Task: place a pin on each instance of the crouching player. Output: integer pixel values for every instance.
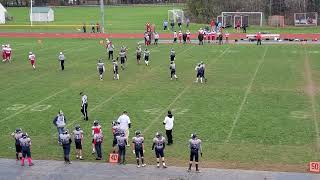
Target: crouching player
(25, 143)
(78, 140)
(138, 148)
(17, 135)
(6, 53)
(158, 145)
(195, 147)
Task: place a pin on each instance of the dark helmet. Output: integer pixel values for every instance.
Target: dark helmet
(77, 127)
(24, 135)
(193, 135)
(95, 123)
(65, 131)
(122, 134)
(158, 134)
(18, 130)
(138, 133)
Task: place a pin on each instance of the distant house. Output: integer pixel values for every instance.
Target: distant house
(3, 13)
(42, 14)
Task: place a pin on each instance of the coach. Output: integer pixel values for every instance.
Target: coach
(168, 122)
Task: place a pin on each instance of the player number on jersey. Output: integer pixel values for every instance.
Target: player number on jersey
(17, 107)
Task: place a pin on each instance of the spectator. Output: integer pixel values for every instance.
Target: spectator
(172, 24)
(187, 22)
(93, 28)
(84, 28)
(98, 27)
(165, 25)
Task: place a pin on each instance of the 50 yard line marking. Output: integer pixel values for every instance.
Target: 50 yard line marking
(246, 96)
(311, 84)
(180, 94)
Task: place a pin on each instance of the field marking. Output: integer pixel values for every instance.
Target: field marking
(43, 74)
(311, 92)
(181, 93)
(300, 114)
(235, 120)
(32, 105)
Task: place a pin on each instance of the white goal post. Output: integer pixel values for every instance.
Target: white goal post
(176, 15)
(245, 18)
(306, 19)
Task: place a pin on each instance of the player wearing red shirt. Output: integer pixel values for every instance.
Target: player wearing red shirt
(32, 59)
(7, 52)
(148, 27)
(212, 24)
(180, 36)
(259, 38)
(96, 129)
(188, 36)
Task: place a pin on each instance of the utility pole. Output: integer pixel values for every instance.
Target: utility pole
(102, 15)
(270, 8)
(31, 12)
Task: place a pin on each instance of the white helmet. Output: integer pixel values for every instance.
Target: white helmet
(8, 45)
(60, 52)
(30, 52)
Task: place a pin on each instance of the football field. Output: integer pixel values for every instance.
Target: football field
(258, 110)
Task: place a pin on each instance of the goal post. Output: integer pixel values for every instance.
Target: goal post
(244, 18)
(306, 19)
(176, 15)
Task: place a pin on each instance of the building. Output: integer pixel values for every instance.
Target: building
(42, 14)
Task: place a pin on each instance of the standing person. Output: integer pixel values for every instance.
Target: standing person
(98, 27)
(188, 36)
(61, 58)
(156, 38)
(188, 22)
(172, 55)
(78, 140)
(115, 70)
(138, 148)
(180, 36)
(84, 28)
(238, 26)
(84, 106)
(259, 38)
(159, 143)
(96, 129)
(138, 53)
(195, 147)
(123, 58)
(220, 38)
(172, 24)
(201, 36)
(227, 37)
(116, 131)
(244, 28)
(172, 68)
(101, 69)
(25, 143)
(66, 143)
(60, 122)
(6, 51)
(175, 36)
(97, 141)
(212, 25)
(146, 56)
(179, 22)
(32, 59)
(122, 143)
(148, 27)
(110, 48)
(184, 37)
(125, 123)
(165, 24)
(92, 28)
(168, 122)
(17, 134)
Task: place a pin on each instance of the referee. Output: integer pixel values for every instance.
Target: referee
(61, 59)
(84, 106)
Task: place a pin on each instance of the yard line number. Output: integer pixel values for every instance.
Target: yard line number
(16, 107)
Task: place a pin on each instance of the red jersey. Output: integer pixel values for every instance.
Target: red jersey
(212, 23)
(32, 57)
(258, 36)
(96, 129)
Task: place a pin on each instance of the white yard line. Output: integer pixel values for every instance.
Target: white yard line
(311, 84)
(34, 104)
(246, 96)
(180, 94)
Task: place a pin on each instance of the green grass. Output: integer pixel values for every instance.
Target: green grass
(266, 133)
(119, 19)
